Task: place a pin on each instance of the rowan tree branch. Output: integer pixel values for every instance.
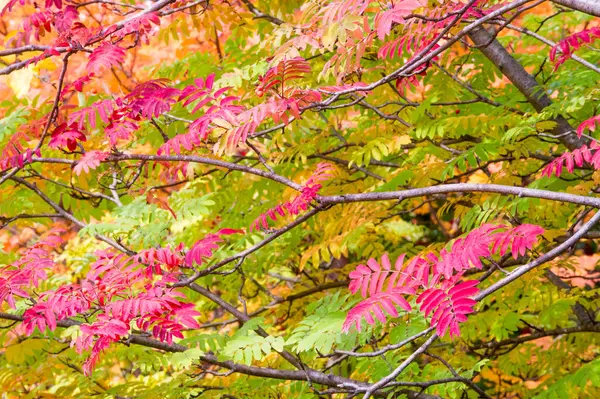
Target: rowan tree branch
(290, 298)
(183, 158)
(243, 318)
(550, 43)
(388, 347)
(259, 14)
(461, 188)
(95, 39)
(548, 256)
(523, 81)
(399, 195)
(591, 7)
(515, 274)
(460, 378)
(392, 376)
(61, 211)
(316, 377)
(537, 335)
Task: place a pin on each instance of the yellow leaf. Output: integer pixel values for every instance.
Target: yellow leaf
(596, 177)
(403, 140)
(47, 64)
(18, 353)
(331, 36)
(545, 126)
(551, 234)
(479, 177)
(20, 81)
(352, 22)
(315, 259)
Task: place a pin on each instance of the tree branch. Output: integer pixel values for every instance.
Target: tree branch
(591, 7)
(515, 274)
(538, 335)
(250, 250)
(461, 188)
(259, 14)
(526, 83)
(60, 210)
(548, 256)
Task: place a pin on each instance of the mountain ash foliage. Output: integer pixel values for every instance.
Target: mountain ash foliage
(299, 199)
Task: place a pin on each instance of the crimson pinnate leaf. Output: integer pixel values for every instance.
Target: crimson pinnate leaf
(107, 55)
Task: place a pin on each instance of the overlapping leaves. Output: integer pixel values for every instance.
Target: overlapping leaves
(434, 279)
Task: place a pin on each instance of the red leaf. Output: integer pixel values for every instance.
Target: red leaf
(400, 9)
(57, 3)
(281, 74)
(589, 124)
(572, 43)
(152, 98)
(442, 296)
(29, 269)
(141, 26)
(102, 108)
(386, 300)
(106, 55)
(205, 247)
(66, 136)
(519, 239)
(120, 131)
(299, 203)
(89, 161)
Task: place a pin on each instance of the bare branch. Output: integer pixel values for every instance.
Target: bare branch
(591, 7)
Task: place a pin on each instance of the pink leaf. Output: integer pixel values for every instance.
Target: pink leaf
(436, 277)
(89, 161)
(66, 136)
(400, 9)
(589, 124)
(301, 202)
(121, 130)
(282, 73)
(572, 43)
(205, 247)
(386, 300)
(107, 55)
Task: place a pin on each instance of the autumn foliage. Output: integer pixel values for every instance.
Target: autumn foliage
(299, 199)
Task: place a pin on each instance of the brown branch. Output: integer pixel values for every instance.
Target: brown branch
(277, 301)
(60, 210)
(526, 83)
(464, 380)
(579, 310)
(548, 256)
(347, 164)
(95, 39)
(538, 335)
(250, 250)
(550, 43)
(515, 274)
(24, 49)
(259, 14)
(4, 220)
(388, 347)
(392, 376)
(314, 376)
(243, 318)
(184, 158)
